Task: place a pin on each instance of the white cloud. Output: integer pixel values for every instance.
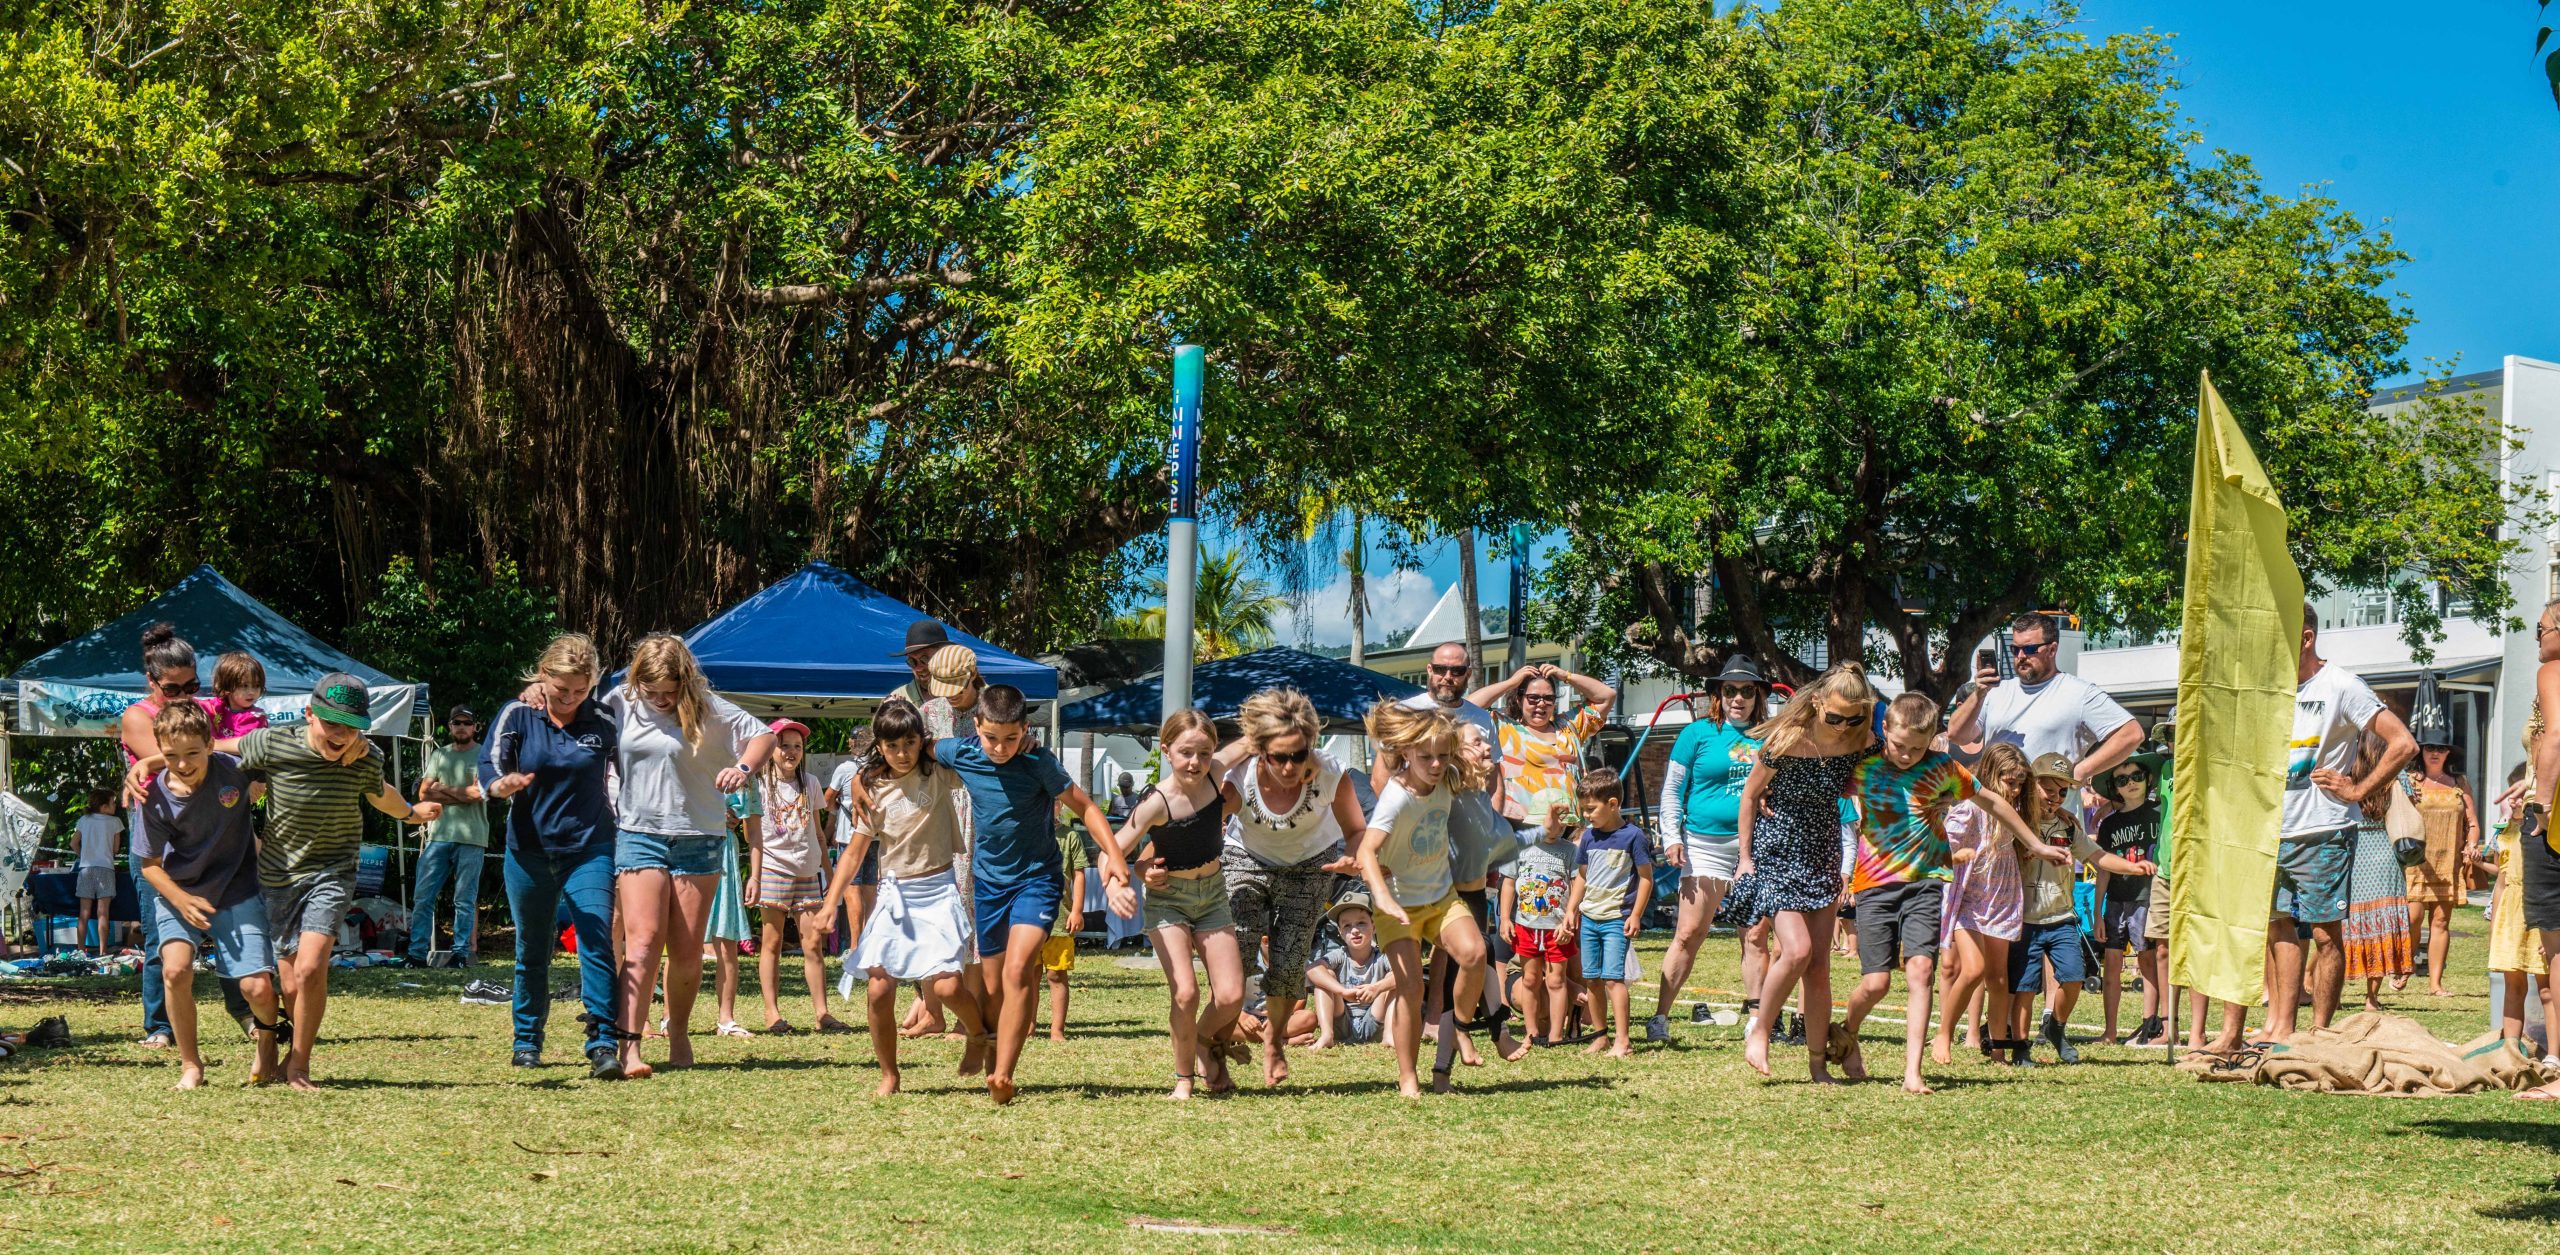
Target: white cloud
(1397, 602)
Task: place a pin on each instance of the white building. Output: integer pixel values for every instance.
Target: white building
(2487, 675)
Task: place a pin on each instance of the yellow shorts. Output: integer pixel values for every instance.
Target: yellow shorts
(1058, 954)
(1425, 927)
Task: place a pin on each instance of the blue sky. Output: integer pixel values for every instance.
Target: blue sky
(2430, 121)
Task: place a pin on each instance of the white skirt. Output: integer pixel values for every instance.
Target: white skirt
(917, 928)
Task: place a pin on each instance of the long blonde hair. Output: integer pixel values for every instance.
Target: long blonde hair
(568, 654)
(1473, 778)
(663, 659)
(1396, 728)
(1782, 732)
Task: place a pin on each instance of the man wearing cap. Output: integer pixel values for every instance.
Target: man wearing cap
(319, 776)
(457, 841)
(2042, 711)
(925, 637)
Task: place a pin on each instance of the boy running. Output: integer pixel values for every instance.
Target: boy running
(319, 778)
(1015, 789)
(199, 850)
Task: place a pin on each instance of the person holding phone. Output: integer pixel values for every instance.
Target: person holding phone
(2042, 711)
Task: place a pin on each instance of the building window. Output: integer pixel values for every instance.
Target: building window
(2371, 608)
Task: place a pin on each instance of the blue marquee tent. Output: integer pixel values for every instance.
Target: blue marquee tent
(820, 643)
(1342, 693)
(80, 687)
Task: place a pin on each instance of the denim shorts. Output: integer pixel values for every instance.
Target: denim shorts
(236, 936)
(2311, 876)
(1604, 949)
(2058, 941)
(1002, 907)
(656, 851)
(316, 903)
(869, 872)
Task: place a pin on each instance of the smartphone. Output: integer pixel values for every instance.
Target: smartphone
(1985, 659)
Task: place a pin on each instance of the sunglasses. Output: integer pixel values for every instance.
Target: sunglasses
(2030, 651)
(1548, 698)
(2121, 781)
(181, 689)
(1738, 690)
(1437, 669)
(1842, 721)
(1289, 759)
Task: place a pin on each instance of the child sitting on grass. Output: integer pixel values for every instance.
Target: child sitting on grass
(199, 850)
(1612, 884)
(1355, 986)
(919, 928)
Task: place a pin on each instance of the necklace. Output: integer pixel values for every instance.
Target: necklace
(1260, 815)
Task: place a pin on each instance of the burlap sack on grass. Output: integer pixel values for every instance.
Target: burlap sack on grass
(2374, 1053)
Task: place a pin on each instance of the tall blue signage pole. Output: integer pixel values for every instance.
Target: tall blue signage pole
(1182, 534)
(1519, 616)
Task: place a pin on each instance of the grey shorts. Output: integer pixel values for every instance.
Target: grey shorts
(1357, 1026)
(1898, 923)
(1199, 904)
(96, 883)
(316, 903)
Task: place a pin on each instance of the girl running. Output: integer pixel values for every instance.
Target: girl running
(1986, 899)
(1185, 820)
(918, 927)
(1404, 857)
(1790, 834)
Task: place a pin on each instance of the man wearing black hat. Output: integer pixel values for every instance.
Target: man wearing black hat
(457, 841)
(924, 636)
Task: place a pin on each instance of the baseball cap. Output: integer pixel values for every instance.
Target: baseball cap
(2054, 764)
(342, 699)
(462, 714)
(1355, 898)
(952, 667)
(780, 726)
(925, 634)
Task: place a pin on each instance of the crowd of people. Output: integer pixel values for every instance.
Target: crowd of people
(1494, 886)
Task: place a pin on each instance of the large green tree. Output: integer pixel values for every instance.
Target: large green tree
(1961, 378)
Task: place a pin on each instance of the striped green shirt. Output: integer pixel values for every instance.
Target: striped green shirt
(315, 807)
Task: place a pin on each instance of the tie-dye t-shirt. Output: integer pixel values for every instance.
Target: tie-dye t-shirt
(1902, 836)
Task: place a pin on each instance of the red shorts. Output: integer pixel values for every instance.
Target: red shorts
(1546, 945)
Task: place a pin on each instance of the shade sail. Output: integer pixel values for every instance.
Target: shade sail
(1342, 693)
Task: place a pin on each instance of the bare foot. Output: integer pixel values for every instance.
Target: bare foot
(1822, 1076)
(1621, 1052)
(1000, 1088)
(652, 1030)
(1511, 1047)
(679, 1050)
(1181, 1090)
(1057, 1038)
(974, 1056)
(258, 1079)
(1938, 1054)
(1853, 1060)
(301, 1081)
(190, 1075)
(1408, 1089)
(1275, 1064)
(634, 1070)
(1597, 1045)
(921, 1028)
(1467, 1051)
(1755, 1052)
(1914, 1085)
(888, 1083)
(2106, 1039)
(1213, 1071)
(2540, 1093)
(1440, 1082)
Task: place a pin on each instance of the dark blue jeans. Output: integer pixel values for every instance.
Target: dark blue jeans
(536, 884)
(441, 862)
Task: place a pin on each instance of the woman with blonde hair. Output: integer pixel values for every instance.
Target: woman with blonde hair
(550, 752)
(1404, 857)
(1790, 834)
(1294, 810)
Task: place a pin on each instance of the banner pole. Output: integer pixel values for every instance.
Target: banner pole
(1182, 533)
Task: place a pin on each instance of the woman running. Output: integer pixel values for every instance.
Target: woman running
(1790, 838)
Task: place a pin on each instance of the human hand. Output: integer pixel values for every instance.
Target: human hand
(1152, 871)
(2056, 855)
(195, 910)
(1122, 900)
(1675, 855)
(1987, 677)
(1393, 910)
(425, 812)
(1635, 924)
(1962, 856)
(2337, 784)
(511, 784)
(730, 780)
(1742, 868)
(1344, 866)
(2145, 867)
(536, 698)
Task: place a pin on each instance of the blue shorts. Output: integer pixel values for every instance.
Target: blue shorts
(869, 872)
(236, 936)
(1604, 949)
(2311, 876)
(2058, 941)
(1001, 908)
(678, 856)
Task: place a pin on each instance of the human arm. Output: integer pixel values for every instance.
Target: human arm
(1673, 810)
(750, 761)
(1347, 817)
(2007, 816)
(388, 800)
(1320, 976)
(1755, 787)
(195, 910)
(2110, 751)
(2398, 747)
(1115, 868)
(1597, 696)
(1964, 724)
(1134, 836)
(2546, 749)
(1573, 904)
(1644, 898)
(1373, 873)
(2103, 861)
(1509, 908)
(1502, 688)
(752, 833)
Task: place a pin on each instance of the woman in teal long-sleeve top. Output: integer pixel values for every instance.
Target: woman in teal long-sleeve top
(1701, 816)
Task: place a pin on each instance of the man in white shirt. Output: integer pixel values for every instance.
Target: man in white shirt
(1445, 689)
(2333, 711)
(2043, 712)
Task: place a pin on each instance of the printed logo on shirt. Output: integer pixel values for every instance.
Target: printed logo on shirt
(229, 796)
(2303, 753)
(1744, 752)
(590, 741)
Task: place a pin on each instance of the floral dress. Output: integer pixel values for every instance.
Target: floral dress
(1795, 843)
(1986, 895)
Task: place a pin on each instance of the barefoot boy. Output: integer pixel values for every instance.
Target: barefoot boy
(319, 778)
(1612, 885)
(1015, 788)
(199, 849)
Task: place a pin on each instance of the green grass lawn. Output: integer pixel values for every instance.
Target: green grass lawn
(425, 1139)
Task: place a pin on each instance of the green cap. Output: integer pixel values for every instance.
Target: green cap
(342, 699)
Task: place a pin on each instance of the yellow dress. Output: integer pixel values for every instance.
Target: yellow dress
(2512, 946)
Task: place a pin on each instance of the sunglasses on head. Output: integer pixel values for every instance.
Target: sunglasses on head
(1291, 759)
(1838, 720)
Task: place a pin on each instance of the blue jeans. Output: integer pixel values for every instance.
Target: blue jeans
(536, 884)
(155, 1009)
(1604, 949)
(442, 861)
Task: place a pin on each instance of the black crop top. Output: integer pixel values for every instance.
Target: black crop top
(1185, 844)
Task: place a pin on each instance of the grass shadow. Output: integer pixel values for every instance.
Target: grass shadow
(2542, 1204)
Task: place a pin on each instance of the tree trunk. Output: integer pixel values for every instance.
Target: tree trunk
(1467, 599)
(1358, 559)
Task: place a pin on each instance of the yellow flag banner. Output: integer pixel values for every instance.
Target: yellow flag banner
(2242, 637)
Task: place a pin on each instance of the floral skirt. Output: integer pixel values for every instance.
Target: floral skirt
(2377, 926)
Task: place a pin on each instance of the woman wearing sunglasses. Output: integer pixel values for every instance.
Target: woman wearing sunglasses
(1702, 827)
(1284, 848)
(1789, 867)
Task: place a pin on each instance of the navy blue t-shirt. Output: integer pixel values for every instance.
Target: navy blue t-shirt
(1015, 807)
(206, 840)
(566, 810)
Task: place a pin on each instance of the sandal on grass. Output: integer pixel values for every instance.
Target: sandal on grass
(732, 1028)
(781, 1028)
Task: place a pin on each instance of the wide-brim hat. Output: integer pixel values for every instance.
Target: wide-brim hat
(1740, 669)
(925, 634)
(951, 669)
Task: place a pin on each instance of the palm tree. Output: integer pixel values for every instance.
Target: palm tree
(1231, 611)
